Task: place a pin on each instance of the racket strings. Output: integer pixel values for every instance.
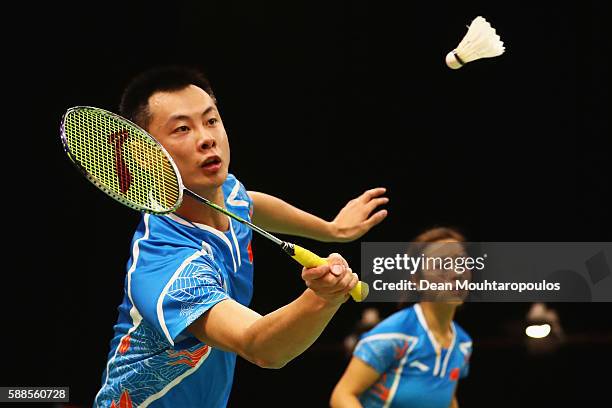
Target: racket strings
(122, 160)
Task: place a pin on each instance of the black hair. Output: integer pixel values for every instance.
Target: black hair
(433, 235)
(135, 98)
(438, 234)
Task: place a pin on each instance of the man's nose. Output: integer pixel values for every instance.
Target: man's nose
(206, 140)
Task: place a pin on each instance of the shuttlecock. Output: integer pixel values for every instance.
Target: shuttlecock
(481, 41)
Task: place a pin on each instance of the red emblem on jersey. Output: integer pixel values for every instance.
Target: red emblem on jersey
(124, 402)
(250, 251)
(400, 351)
(125, 345)
(380, 389)
(190, 358)
(454, 374)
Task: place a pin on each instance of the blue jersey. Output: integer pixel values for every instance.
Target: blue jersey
(414, 370)
(178, 270)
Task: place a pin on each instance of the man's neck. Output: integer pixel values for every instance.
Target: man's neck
(196, 211)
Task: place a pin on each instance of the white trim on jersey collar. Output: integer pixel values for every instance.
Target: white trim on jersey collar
(231, 199)
(235, 244)
(449, 351)
(181, 221)
(213, 231)
(432, 340)
(434, 343)
(222, 236)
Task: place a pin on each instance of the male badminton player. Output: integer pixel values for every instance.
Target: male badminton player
(416, 356)
(184, 316)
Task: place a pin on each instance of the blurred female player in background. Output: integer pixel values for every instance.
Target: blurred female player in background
(416, 356)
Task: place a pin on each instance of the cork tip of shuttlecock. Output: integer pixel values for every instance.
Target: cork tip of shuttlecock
(452, 61)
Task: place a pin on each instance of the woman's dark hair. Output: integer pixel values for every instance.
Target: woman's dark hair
(421, 241)
(439, 234)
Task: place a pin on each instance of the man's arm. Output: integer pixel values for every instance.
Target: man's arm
(273, 340)
(353, 221)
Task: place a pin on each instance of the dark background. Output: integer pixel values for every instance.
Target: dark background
(321, 100)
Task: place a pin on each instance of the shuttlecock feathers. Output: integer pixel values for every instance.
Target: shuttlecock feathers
(480, 41)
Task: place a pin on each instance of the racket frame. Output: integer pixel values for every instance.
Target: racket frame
(100, 185)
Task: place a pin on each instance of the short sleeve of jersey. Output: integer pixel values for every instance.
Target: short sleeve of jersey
(376, 353)
(172, 291)
(194, 289)
(381, 351)
(387, 343)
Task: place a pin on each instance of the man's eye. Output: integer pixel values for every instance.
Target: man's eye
(213, 121)
(181, 129)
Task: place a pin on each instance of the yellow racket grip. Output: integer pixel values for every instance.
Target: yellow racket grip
(311, 260)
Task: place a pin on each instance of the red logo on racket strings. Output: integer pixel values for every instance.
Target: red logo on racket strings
(123, 173)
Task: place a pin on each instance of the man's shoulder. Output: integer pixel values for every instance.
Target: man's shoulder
(235, 193)
(163, 230)
(166, 239)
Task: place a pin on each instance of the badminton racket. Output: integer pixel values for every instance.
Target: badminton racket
(128, 164)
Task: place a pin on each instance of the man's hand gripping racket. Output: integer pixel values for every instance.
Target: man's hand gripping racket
(128, 164)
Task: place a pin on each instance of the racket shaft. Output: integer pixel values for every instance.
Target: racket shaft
(303, 256)
(234, 216)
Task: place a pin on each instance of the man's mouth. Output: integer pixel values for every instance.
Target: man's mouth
(212, 164)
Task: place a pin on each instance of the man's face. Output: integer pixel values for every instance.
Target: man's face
(188, 124)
